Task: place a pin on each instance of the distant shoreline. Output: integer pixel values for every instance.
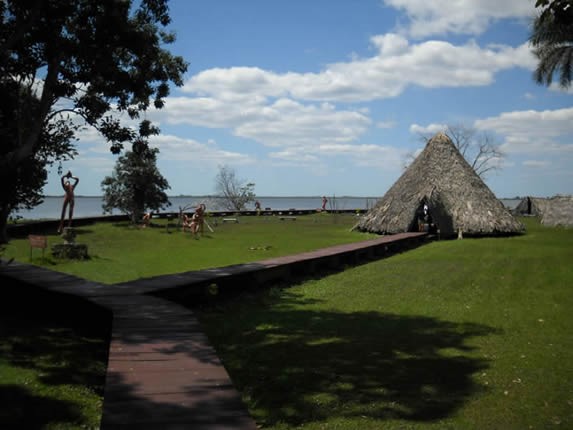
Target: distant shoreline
(214, 196)
(182, 196)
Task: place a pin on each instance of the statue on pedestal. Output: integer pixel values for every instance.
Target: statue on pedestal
(68, 198)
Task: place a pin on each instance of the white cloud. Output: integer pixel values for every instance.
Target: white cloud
(284, 122)
(300, 156)
(458, 16)
(99, 164)
(206, 111)
(371, 155)
(533, 131)
(173, 148)
(295, 111)
(365, 155)
(397, 65)
(528, 131)
(427, 130)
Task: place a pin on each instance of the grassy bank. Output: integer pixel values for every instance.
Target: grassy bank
(120, 252)
(466, 334)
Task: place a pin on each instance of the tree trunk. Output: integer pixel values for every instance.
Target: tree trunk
(29, 143)
(4, 213)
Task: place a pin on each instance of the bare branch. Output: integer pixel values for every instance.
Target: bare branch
(480, 149)
(234, 192)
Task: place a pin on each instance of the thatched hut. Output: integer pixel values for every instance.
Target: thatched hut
(554, 211)
(441, 181)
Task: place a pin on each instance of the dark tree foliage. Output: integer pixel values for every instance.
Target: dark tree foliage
(552, 40)
(136, 185)
(23, 182)
(86, 59)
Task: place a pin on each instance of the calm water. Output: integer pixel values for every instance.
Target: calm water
(92, 206)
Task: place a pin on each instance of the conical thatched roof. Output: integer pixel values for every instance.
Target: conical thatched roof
(457, 197)
(530, 206)
(554, 211)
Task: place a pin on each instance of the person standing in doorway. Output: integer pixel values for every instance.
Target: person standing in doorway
(68, 198)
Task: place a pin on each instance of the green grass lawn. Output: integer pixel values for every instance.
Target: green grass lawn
(120, 252)
(468, 334)
(472, 334)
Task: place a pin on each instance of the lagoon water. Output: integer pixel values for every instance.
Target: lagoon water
(92, 206)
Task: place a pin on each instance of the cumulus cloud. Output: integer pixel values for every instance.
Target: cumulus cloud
(102, 164)
(174, 148)
(461, 16)
(300, 113)
(298, 155)
(396, 65)
(287, 122)
(428, 129)
(528, 131)
(284, 122)
(533, 131)
(364, 155)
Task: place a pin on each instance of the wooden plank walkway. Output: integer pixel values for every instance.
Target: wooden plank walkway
(162, 371)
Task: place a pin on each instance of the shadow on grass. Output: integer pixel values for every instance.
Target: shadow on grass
(61, 353)
(61, 344)
(298, 366)
(22, 409)
(82, 230)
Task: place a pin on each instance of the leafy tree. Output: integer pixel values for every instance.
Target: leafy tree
(136, 185)
(552, 39)
(89, 60)
(22, 183)
(480, 149)
(234, 193)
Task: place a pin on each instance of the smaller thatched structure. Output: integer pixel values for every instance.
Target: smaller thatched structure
(554, 211)
(442, 182)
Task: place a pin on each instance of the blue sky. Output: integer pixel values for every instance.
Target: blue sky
(328, 97)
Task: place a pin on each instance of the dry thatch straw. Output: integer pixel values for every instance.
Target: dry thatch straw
(458, 200)
(554, 211)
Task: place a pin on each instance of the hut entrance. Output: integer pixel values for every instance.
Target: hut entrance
(423, 221)
(426, 219)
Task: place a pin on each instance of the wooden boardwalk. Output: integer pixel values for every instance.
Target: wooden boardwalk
(162, 371)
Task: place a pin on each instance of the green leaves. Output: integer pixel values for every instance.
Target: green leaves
(136, 184)
(103, 56)
(552, 39)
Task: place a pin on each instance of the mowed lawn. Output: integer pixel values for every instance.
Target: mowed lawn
(120, 252)
(467, 334)
(52, 365)
(470, 334)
